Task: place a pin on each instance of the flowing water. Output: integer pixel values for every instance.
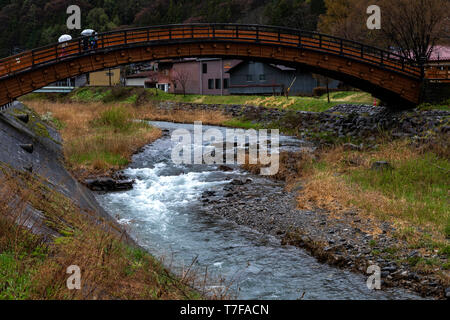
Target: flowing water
(164, 214)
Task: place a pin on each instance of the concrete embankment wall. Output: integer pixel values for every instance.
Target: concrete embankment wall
(45, 161)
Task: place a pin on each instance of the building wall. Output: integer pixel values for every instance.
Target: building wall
(135, 82)
(101, 78)
(208, 81)
(211, 80)
(81, 81)
(261, 78)
(78, 81)
(189, 72)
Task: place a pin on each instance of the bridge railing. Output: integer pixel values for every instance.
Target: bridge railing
(438, 73)
(214, 32)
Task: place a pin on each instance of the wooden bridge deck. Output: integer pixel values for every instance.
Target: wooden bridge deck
(389, 73)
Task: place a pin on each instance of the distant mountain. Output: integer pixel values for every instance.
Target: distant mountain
(28, 24)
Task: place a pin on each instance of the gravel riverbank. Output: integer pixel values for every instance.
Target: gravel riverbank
(344, 241)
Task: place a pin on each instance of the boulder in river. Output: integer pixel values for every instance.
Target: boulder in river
(225, 168)
(239, 182)
(108, 184)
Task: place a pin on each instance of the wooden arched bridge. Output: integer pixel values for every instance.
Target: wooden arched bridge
(383, 73)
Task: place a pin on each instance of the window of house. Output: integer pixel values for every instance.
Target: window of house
(218, 84)
(210, 84)
(262, 77)
(226, 83)
(205, 68)
(249, 77)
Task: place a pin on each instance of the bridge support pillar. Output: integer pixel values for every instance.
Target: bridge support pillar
(435, 92)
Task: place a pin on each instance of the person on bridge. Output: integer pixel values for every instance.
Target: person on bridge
(95, 40)
(85, 43)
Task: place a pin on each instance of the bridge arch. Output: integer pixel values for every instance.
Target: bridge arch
(384, 74)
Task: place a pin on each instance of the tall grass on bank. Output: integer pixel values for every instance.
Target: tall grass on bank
(97, 137)
(34, 266)
(414, 192)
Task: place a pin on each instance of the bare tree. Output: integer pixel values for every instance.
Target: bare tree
(414, 27)
(181, 77)
(347, 19)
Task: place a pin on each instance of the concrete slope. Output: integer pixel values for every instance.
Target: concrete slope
(46, 160)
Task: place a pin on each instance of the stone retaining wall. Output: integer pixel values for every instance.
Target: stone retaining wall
(352, 121)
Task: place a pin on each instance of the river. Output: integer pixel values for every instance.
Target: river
(163, 213)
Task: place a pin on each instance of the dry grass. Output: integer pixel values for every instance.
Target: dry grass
(414, 193)
(183, 116)
(93, 148)
(90, 146)
(34, 268)
(292, 166)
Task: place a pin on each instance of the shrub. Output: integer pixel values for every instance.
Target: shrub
(117, 94)
(116, 117)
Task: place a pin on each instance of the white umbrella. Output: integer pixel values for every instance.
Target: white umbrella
(87, 32)
(64, 38)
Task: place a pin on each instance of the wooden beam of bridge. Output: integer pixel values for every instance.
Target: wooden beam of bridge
(383, 73)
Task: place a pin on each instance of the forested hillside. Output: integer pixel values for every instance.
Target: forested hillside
(30, 23)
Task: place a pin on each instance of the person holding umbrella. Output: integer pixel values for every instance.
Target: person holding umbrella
(63, 41)
(87, 43)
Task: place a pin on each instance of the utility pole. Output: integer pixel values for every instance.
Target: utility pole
(221, 76)
(200, 65)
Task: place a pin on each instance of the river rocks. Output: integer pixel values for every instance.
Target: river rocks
(352, 147)
(342, 121)
(108, 184)
(391, 268)
(208, 194)
(225, 168)
(239, 182)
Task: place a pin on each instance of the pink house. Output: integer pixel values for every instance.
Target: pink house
(190, 76)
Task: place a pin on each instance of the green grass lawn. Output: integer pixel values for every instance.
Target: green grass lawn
(421, 184)
(132, 95)
(317, 104)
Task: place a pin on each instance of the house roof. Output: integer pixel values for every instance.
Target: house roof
(145, 74)
(277, 66)
(282, 68)
(440, 53)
